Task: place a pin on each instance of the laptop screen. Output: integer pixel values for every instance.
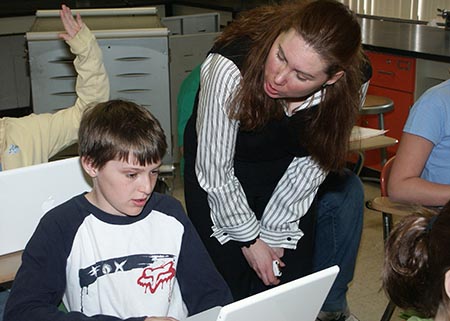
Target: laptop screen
(27, 193)
(300, 299)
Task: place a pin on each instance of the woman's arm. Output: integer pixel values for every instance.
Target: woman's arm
(232, 217)
(279, 226)
(405, 183)
(291, 200)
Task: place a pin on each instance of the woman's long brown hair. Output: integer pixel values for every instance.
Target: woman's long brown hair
(334, 32)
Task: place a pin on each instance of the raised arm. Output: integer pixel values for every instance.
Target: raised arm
(38, 137)
(92, 84)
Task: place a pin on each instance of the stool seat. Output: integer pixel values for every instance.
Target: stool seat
(374, 105)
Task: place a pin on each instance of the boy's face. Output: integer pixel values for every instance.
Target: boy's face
(122, 187)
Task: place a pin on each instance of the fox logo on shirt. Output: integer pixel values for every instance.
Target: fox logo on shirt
(152, 278)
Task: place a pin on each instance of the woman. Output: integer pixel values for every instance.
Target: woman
(278, 97)
(416, 273)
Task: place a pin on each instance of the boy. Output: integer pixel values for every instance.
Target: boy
(119, 251)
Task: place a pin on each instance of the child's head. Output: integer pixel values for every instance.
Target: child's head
(117, 129)
(121, 147)
(416, 272)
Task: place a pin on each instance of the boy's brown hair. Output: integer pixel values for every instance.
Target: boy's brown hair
(114, 129)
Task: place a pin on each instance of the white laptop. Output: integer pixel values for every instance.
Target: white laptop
(27, 193)
(298, 300)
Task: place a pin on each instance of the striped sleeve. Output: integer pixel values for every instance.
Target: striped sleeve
(291, 200)
(216, 133)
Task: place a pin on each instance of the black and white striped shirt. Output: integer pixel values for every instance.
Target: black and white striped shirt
(216, 132)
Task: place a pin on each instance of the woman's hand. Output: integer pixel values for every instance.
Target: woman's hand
(260, 257)
(160, 319)
(71, 25)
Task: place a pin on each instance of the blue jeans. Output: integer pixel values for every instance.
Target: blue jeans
(339, 224)
(3, 297)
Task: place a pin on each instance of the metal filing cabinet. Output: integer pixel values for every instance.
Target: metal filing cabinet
(190, 39)
(392, 77)
(14, 88)
(226, 17)
(192, 24)
(135, 53)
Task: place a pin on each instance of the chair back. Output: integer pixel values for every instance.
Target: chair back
(384, 176)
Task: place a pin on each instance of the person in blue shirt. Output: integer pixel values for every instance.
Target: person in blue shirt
(421, 169)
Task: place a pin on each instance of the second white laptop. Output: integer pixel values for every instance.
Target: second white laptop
(27, 193)
(298, 300)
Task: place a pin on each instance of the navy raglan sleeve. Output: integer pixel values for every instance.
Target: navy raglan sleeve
(41, 280)
(201, 284)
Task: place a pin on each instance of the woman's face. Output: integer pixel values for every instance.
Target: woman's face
(293, 69)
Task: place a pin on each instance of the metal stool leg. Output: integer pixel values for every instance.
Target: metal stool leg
(388, 312)
(387, 226)
(383, 151)
(359, 163)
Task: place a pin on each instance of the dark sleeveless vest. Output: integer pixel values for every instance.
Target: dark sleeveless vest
(261, 156)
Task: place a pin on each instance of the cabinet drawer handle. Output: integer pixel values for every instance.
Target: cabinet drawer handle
(403, 65)
(389, 73)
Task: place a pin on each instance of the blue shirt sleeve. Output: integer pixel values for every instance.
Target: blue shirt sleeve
(429, 115)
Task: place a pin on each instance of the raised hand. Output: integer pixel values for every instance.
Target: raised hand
(71, 25)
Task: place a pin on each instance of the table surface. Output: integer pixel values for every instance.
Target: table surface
(385, 205)
(9, 264)
(406, 39)
(372, 143)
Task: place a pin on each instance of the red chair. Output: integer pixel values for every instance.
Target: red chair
(384, 178)
(388, 209)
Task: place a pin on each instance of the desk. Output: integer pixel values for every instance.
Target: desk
(385, 205)
(372, 143)
(9, 264)
(361, 145)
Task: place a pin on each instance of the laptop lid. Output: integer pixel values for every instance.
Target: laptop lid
(27, 193)
(300, 299)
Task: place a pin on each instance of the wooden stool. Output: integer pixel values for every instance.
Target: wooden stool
(378, 105)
